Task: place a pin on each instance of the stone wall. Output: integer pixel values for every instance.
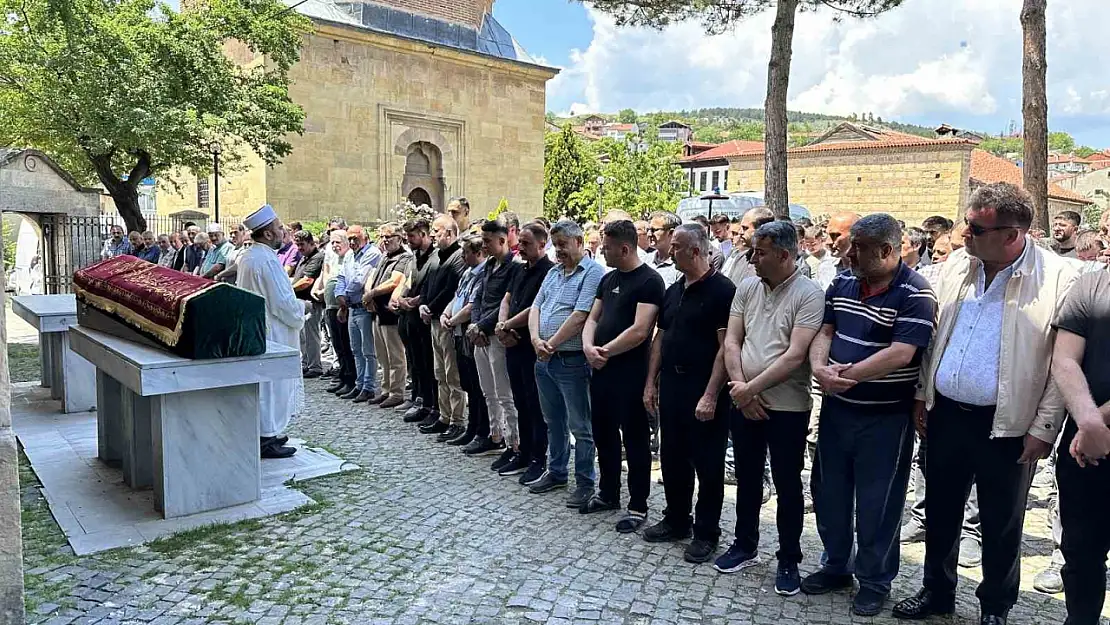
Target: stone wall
(910, 184)
(11, 542)
(30, 184)
(241, 192)
(367, 97)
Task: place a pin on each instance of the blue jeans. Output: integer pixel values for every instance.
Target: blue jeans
(360, 328)
(564, 386)
(859, 488)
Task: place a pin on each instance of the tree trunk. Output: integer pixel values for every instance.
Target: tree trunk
(1034, 67)
(126, 198)
(776, 193)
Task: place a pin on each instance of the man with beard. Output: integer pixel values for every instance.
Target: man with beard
(878, 321)
(616, 340)
(837, 242)
(260, 272)
(381, 291)
(1064, 229)
(520, 356)
(738, 265)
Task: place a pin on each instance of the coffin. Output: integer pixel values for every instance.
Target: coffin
(187, 315)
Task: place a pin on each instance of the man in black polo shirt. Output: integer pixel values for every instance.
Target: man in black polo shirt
(1082, 471)
(520, 356)
(685, 379)
(308, 270)
(616, 340)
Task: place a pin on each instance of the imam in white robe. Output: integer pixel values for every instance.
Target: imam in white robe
(261, 272)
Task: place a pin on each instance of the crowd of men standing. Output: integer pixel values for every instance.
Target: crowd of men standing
(841, 345)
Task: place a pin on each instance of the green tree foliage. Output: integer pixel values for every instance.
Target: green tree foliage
(1061, 142)
(1092, 214)
(641, 177)
(121, 90)
(627, 116)
(1002, 146)
(502, 206)
(570, 170)
(1084, 151)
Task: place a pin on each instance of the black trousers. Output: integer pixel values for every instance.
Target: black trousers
(692, 448)
(1084, 505)
(422, 363)
(341, 343)
(784, 434)
(961, 452)
(477, 412)
(618, 415)
(521, 363)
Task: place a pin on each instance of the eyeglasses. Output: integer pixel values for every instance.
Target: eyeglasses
(977, 231)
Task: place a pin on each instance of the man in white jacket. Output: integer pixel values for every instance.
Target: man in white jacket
(261, 272)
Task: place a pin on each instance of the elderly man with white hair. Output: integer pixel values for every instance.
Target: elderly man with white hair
(261, 272)
(215, 260)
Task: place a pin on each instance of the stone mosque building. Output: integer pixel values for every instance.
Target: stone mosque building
(417, 99)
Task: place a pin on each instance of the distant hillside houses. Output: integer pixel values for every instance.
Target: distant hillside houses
(596, 127)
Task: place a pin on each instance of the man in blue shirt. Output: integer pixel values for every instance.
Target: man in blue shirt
(879, 318)
(562, 372)
(349, 289)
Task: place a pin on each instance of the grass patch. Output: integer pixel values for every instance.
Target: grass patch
(44, 544)
(23, 362)
(222, 535)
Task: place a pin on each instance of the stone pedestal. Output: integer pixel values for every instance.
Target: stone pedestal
(70, 377)
(186, 428)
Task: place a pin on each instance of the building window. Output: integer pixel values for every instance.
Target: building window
(726, 179)
(716, 180)
(202, 193)
(704, 179)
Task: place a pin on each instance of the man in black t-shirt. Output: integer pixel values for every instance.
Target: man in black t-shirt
(616, 342)
(308, 270)
(1082, 471)
(520, 356)
(686, 375)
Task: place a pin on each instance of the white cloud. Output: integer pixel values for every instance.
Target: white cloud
(928, 60)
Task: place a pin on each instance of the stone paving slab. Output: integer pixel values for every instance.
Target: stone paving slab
(424, 535)
(97, 511)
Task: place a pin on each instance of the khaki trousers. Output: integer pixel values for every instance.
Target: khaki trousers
(452, 398)
(391, 355)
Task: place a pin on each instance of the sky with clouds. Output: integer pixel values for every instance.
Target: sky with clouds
(929, 61)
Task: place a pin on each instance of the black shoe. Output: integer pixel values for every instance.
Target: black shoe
(351, 394)
(868, 602)
(699, 551)
(430, 418)
(308, 375)
(335, 387)
(505, 459)
(378, 399)
(482, 446)
(452, 432)
(992, 619)
(664, 532)
(462, 439)
(598, 504)
(547, 483)
(416, 415)
(923, 605)
(436, 427)
(516, 466)
(580, 497)
(787, 580)
(363, 397)
(535, 471)
(343, 390)
(271, 449)
(631, 522)
(823, 582)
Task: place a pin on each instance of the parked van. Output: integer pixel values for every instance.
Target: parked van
(734, 207)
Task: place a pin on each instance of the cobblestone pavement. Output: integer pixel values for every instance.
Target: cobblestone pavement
(424, 535)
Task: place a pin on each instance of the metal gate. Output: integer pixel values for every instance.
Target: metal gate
(68, 244)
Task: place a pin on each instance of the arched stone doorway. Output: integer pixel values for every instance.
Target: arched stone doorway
(419, 196)
(423, 177)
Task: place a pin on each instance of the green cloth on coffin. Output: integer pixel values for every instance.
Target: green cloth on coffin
(190, 316)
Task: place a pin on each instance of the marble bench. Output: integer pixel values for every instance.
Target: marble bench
(70, 378)
(187, 428)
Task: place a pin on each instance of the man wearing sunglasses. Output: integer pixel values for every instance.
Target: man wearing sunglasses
(986, 404)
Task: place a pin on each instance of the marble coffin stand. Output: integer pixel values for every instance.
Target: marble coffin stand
(70, 378)
(187, 428)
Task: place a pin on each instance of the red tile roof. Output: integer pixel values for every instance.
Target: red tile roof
(728, 148)
(1100, 156)
(886, 139)
(987, 168)
(1066, 158)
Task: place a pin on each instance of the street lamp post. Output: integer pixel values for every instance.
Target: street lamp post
(600, 193)
(216, 148)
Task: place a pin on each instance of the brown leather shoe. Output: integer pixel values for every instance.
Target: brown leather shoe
(379, 398)
(392, 402)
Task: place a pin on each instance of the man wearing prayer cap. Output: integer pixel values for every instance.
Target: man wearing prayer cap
(261, 272)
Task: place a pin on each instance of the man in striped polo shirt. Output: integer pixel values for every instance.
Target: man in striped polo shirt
(879, 318)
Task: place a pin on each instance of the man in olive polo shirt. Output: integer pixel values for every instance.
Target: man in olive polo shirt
(773, 320)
